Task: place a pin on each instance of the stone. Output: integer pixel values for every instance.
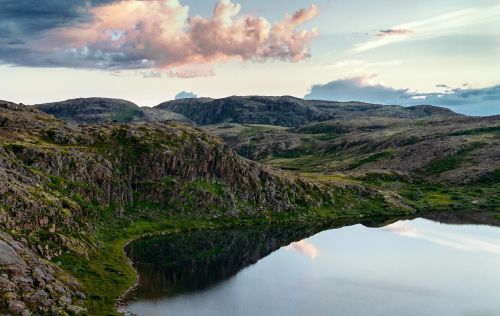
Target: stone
(10, 259)
(65, 300)
(80, 295)
(18, 308)
(75, 310)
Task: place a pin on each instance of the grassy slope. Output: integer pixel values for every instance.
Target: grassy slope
(106, 273)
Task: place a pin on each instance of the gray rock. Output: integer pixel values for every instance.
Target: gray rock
(9, 259)
(18, 308)
(80, 295)
(75, 310)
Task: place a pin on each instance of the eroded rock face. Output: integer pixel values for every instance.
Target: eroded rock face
(56, 177)
(9, 259)
(29, 284)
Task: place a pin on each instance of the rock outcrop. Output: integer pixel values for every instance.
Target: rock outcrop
(57, 178)
(288, 111)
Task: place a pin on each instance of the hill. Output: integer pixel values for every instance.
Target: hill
(75, 192)
(101, 110)
(288, 111)
(72, 196)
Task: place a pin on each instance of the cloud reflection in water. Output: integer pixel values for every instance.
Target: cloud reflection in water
(443, 238)
(304, 247)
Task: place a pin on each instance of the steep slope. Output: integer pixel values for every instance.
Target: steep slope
(288, 111)
(71, 196)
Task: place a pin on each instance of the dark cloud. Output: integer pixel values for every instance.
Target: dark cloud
(185, 95)
(22, 21)
(389, 32)
(484, 101)
(28, 17)
(137, 34)
(442, 85)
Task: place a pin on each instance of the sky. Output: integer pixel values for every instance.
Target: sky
(444, 52)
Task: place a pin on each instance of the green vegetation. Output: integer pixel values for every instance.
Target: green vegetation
(478, 131)
(426, 196)
(81, 194)
(451, 162)
(372, 158)
(127, 115)
(215, 188)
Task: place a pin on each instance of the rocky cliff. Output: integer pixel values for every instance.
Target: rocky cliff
(59, 181)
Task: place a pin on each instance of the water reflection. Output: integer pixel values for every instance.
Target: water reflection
(447, 239)
(382, 267)
(304, 247)
(174, 264)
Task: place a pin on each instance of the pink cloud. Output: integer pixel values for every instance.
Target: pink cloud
(304, 247)
(389, 32)
(161, 34)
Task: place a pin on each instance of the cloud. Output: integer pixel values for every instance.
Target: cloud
(364, 64)
(185, 95)
(465, 100)
(440, 25)
(304, 247)
(442, 85)
(390, 32)
(160, 34)
(358, 89)
(447, 239)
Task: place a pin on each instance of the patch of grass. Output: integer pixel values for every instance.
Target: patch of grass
(326, 137)
(216, 188)
(372, 158)
(321, 128)
(425, 196)
(451, 162)
(127, 115)
(293, 153)
(478, 131)
(494, 177)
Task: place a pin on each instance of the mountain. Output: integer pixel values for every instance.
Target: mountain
(453, 149)
(72, 195)
(278, 111)
(288, 111)
(99, 110)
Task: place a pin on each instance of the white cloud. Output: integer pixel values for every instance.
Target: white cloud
(436, 26)
(465, 100)
(446, 239)
(364, 64)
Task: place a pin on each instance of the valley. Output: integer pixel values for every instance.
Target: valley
(83, 178)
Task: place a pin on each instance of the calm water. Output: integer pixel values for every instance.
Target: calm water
(410, 267)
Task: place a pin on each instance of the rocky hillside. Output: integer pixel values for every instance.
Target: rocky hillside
(289, 111)
(278, 111)
(61, 182)
(72, 195)
(101, 110)
(453, 149)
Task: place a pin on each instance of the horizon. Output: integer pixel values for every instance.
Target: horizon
(148, 52)
(245, 96)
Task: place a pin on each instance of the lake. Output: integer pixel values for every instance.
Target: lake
(449, 265)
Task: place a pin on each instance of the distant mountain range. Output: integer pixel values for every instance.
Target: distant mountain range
(281, 111)
(96, 173)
